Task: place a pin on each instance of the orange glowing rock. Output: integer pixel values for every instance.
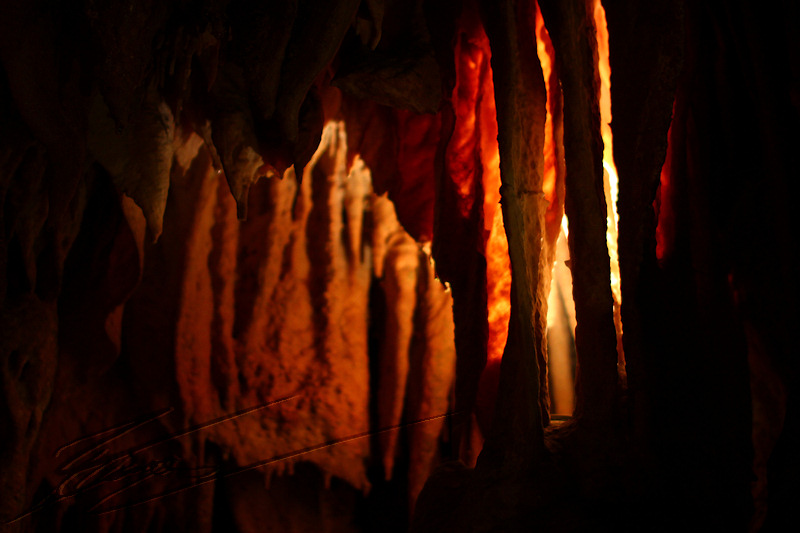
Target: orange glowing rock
(472, 159)
(553, 183)
(610, 173)
(476, 134)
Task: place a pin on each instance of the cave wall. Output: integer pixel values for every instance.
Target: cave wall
(238, 262)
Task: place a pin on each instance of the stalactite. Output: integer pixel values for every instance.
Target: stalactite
(277, 353)
(417, 358)
(276, 306)
(459, 226)
(697, 283)
(553, 184)
(432, 375)
(234, 137)
(400, 263)
(561, 339)
(640, 119)
(140, 159)
(571, 27)
(522, 407)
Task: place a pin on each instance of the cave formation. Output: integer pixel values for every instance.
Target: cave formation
(284, 266)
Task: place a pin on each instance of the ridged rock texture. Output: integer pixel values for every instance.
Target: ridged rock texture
(285, 266)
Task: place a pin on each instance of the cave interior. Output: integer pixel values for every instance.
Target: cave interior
(374, 265)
